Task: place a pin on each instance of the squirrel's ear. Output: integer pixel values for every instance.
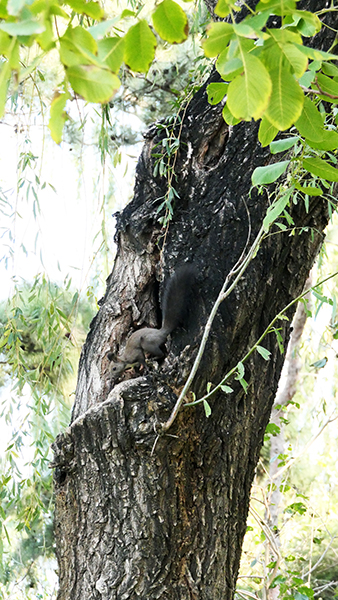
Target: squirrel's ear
(110, 356)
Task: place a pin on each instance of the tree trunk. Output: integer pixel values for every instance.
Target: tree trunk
(145, 516)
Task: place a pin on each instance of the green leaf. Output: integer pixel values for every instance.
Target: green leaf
(309, 190)
(277, 7)
(272, 429)
(222, 8)
(329, 69)
(92, 9)
(229, 117)
(275, 210)
(269, 174)
(286, 101)
(100, 29)
(263, 352)
(140, 44)
(248, 94)
(216, 92)
(170, 22)
(58, 116)
(26, 28)
(207, 408)
(327, 85)
(92, 82)
(14, 7)
(5, 74)
(226, 389)
(111, 52)
(282, 145)
(267, 132)
(244, 384)
(219, 35)
(319, 364)
(329, 141)
(229, 68)
(310, 123)
(78, 47)
(240, 371)
(307, 23)
(322, 169)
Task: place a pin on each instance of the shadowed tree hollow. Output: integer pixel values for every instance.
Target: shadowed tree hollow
(145, 514)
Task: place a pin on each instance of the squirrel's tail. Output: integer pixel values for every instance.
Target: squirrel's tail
(177, 296)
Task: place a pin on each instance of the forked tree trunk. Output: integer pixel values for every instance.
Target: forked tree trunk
(139, 519)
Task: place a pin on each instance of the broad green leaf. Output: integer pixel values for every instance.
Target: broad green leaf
(269, 174)
(5, 43)
(263, 352)
(322, 169)
(216, 92)
(282, 145)
(276, 209)
(26, 28)
(229, 117)
(171, 22)
(222, 8)
(46, 39)
(309, 190)
(77, 47)
(111, 51)
(5, 74)
(307, 23)
(287, 99)
(329, 141)
(329, 69)
(229, 68)
(277, 7)
(92, 9)
(207, 408)
(297, 59)
(139, 50)
(316, 54)
(267, 132)
(58, 116)
(248, 94)
(93, 83)
(328, 86)
(310, 123)
(219, 35)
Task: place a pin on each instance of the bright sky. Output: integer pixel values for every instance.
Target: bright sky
(62, 236)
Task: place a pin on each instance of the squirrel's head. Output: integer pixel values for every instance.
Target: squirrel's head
(116, 366)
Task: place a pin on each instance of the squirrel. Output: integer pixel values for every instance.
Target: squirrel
(175, 303)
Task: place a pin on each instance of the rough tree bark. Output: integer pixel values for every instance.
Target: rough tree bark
(138, 521)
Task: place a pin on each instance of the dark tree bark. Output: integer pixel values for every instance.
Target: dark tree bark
(135, 519)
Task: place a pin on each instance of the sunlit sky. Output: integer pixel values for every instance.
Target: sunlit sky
(59, 240)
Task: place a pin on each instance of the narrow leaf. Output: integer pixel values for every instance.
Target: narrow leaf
(282, 145)
(207, 408)
(276, 210)
(263, 352)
